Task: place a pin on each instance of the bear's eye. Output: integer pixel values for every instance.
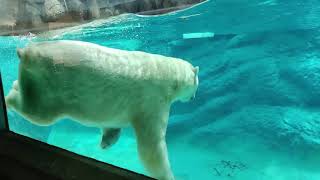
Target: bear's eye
(175, 86)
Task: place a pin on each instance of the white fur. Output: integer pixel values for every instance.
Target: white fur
(106, 88)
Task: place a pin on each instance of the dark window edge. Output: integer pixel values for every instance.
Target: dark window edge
(58, 162)
(4, 109)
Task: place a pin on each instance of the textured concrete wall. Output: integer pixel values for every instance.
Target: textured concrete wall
(36, 14)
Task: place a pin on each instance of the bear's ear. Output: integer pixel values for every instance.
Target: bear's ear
(196, 70)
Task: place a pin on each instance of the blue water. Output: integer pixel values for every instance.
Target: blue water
(256, 114)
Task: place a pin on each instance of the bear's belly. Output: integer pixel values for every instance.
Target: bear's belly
(104, 114)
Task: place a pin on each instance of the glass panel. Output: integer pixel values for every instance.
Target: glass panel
(255, 114)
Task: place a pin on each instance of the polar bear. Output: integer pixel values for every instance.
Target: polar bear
(106, 88)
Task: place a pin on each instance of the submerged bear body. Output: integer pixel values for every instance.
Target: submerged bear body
(103, 87)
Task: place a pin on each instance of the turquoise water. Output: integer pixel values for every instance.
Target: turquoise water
(256, 113)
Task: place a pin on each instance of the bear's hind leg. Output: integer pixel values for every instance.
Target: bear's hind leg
(150, 131)
(12, 100)
(109, 137)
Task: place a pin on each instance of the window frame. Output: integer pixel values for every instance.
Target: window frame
(4, 123)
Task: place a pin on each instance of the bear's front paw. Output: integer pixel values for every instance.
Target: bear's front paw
(104, 145)
(109, 137)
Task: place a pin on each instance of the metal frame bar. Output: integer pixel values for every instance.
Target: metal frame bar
(4, 124)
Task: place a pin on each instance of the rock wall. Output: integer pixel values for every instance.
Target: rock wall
(36, 14)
